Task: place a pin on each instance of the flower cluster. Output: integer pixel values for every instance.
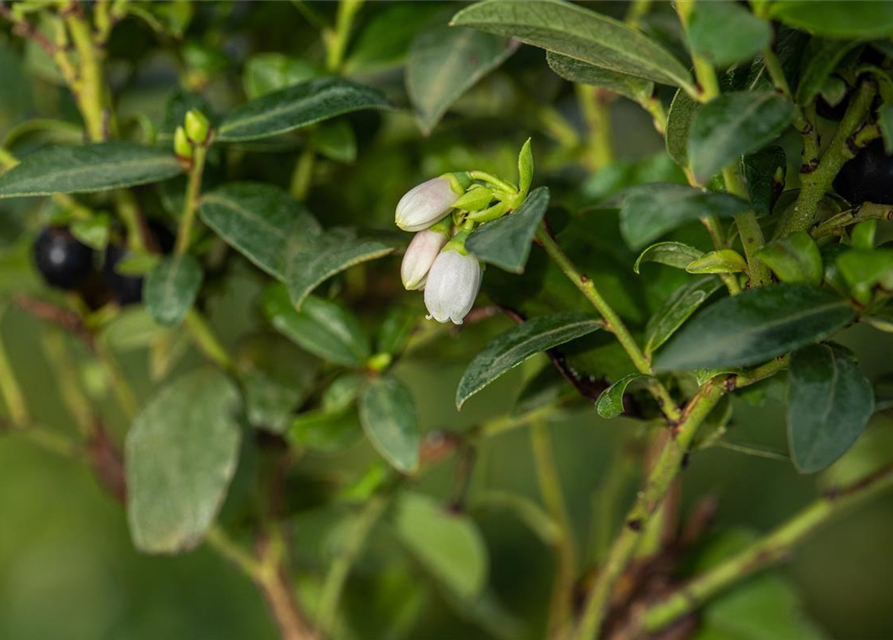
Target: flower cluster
(436, 260)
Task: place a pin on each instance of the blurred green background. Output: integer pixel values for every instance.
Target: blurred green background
(67, 567)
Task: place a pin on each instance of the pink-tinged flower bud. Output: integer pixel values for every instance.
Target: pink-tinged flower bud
(420, 255)
(453, 283)
(425, 204)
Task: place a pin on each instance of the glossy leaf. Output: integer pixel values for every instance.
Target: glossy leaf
(836, 18)
(649, 211)
(720, 261)
(525, 168)
(578, 33)
(87, 168)
(764, 172)
(171, 288)
(679, 118)
(261, 221)
(448, 545)
(678, 308)
(309, 264)
(794, 258)
(632, 87)
(268, 72)
(181, 454)
(508, 350)
(673, 254)
(863, 269)
(610, 402)
(390, 419)
(732, 125)
(505, 242)
(298, 106)
(322, 327)
(754, 326)
(830, 403)
(726, 32)
(445, 62)
(821, 58)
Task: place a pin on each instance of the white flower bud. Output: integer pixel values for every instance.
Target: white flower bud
(453, 283)
(425, 204)
(420, 255)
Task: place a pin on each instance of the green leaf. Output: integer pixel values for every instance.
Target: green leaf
(298, 106)
(309, 264)
(677, 309)
(324, 328)
(862, 235)
(443, 63)
(679, 118)
(726, 32)
(390, 419)
(764, 172)
(836, 18)
(448, 545)
(335, 140)
(794, 258)
(395, 329)
(732, 125)
(862, 270)
(385, 39)
(673, 254)
(505, 242)
(720, 261)
(525, 168)
(580, 34)
(829, 405)
(325, 431)
(181, 454)
(610, 402)
(649, 211)
(93, 231)
(623, 84)
(85, 169)
(513, 347)
(268, 72)
(754, 326)
(170, 289)
(821, 58)
(260, 221)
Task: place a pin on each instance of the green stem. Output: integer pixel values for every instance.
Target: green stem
(227, 548)
(597, 114)
(88, 88)
(193, 191)
(207, 341)
(835, 225)
(125, 395)
(12, 392)
(771, 549)
(336, 578)
(496, 182)
(336, 40)
(301, 178)
(550, 490)
(748, 229)
(842, 148)
(613, 323)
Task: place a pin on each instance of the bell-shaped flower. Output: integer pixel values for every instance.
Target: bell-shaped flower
(420, 255)
(425, 204)
(453, 283)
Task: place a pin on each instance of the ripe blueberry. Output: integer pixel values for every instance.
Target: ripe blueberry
(62, 261)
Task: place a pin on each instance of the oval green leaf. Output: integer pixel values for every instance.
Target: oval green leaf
(86, 169)
(719, 261)
(444, 63)
(726, 32)
(610, 402)
(579, 33)
(732, 125)
(448, 545)
(505, 242)
(754, 326)
(390, 419)
(181, 455)
(171, 287)
(836, 18)
(322, 327)
(260, 221)
(679, 118)
(794, 258)
(830, 403)
(632, 87)
(649, 211)
(298, 106)
(672, 254)
(677, 309)
(508, 350)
